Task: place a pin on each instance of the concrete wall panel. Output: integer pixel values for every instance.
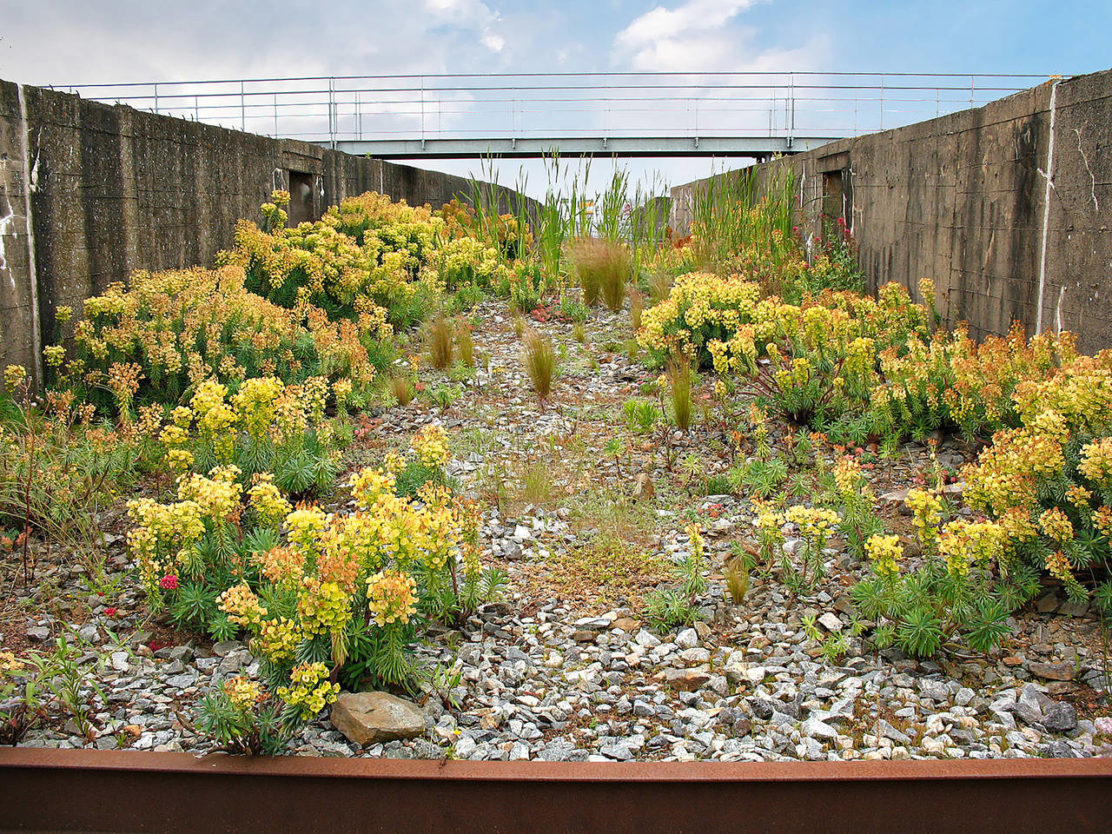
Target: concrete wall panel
(962, 200)
(116, 189)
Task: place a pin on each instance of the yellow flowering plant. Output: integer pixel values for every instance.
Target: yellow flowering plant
(266, 429)
(815, 525)
(324, 598)
(953, 593)
(169, 332)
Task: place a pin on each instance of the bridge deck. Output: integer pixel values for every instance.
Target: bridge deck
(647, 146)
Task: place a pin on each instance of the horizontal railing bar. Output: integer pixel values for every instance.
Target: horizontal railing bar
(257, 93)
(616, 74)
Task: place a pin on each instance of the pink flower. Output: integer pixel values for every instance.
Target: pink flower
(169, 582)
(110, 612)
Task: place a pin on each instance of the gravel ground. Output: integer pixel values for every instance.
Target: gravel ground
(564, 668)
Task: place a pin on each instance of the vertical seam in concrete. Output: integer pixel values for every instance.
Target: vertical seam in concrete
(31, 173)
(1049, 176)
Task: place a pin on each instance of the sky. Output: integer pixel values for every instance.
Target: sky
(67, 42)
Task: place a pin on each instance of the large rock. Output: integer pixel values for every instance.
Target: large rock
(685, 680)
(373, 717)
(1053, 671)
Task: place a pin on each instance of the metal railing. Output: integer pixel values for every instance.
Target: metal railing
(334, 109)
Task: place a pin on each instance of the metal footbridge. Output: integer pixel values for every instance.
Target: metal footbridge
(630, 114)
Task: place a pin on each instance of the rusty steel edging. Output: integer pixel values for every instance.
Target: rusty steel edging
(89, 790)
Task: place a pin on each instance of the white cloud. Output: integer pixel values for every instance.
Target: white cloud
(703, 35)
(661, 25)
(472, 15)
(493, 42)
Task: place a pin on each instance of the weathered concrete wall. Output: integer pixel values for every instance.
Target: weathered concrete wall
(962, 200)
(110, 189)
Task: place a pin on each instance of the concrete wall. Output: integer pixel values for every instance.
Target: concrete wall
(962, 199)
(90, 192)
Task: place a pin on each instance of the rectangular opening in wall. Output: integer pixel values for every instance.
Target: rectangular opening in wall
(837, 195)
(301, 198)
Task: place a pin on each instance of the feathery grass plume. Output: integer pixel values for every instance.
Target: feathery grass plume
(579, 332)
(603, 268)
(520, 326)
(438, 338)
(399, 387)
(636, 307)
(465, 343)
(540, 363)
(660, 286)
(679, 378)
(737, 579)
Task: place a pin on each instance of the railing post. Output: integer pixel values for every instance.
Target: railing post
(156, 98)
(331, 112)
(791, 128)
(275, 115)
(242, 109)
(972, 83)
(882, 102)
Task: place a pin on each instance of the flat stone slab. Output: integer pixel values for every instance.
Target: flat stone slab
(373, 717)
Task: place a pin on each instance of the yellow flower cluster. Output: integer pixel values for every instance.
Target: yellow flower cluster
(243, 693)
(1096, 463)
(282, 565)
(368, 485)
(885, 553)
(217, 495)
(926, 508)
(305, 526)
(242, 606)
(966, 543)
(769, 523)
(848, 477)
(54, 355)
(391, 597)
(815, 523)
(163, 535)
(9, 664)
(699, 302)
(277, 640)
(431, 445)
(14, 375)
(310, 690)
(695, 536)
(1056, 525)
(267, 501)
(322, 607)
(192, 325)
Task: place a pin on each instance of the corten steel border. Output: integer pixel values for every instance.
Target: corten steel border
(98, 791)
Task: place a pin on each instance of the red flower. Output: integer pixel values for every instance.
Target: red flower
(111, 611)
(169, 582)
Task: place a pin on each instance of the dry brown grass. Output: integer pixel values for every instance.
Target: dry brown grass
(465, 343)
(439, 341)
(540, 363)
(679, 379)
(636, 307)
(603, 268)
(400, 388)
(660, 286)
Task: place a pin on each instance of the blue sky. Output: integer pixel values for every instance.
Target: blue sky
(77, 41)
